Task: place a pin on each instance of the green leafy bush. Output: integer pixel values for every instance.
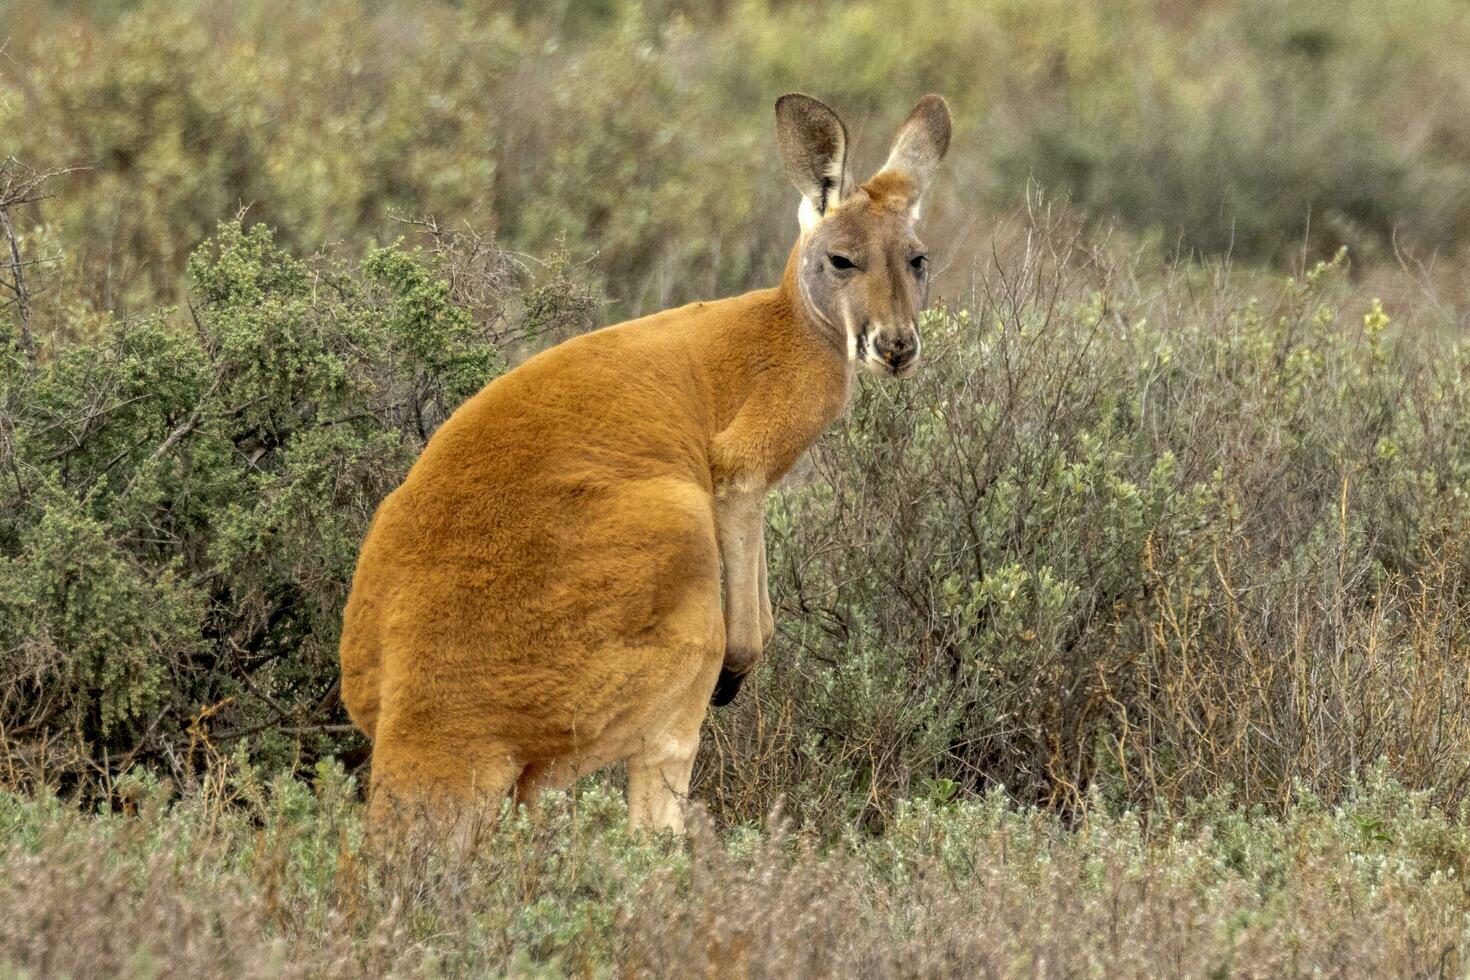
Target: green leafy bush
(1150, 536)
(184, 505)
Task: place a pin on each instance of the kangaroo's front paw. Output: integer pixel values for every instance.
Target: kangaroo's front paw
(726, 687)
(740, 657)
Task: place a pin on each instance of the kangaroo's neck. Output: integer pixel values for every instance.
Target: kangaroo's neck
(783, 377)
(794, 346)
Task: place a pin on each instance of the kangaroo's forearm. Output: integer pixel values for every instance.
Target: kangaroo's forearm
(739, 516)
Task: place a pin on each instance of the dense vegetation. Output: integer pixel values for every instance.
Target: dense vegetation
(1128, 638)
(245, 878)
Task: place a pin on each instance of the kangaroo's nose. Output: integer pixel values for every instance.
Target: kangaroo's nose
(896, 350)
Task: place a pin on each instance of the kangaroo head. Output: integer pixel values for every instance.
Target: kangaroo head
(862, 272)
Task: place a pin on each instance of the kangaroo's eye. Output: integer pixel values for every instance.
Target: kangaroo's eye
(919, 263)
(840, 262)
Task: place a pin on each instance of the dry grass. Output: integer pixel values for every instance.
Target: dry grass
(242, 879)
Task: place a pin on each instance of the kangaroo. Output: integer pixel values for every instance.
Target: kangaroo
(543, 594)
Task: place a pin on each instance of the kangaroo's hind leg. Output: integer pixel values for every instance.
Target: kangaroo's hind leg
(658, 781)
(661, 757)
(446, 788)
(660, 765)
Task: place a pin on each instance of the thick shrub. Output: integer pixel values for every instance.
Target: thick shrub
(1151, 534)
(184, 503)
(1151, 541)
(1139, 531)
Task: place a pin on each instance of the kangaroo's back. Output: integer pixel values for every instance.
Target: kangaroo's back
(558, 426)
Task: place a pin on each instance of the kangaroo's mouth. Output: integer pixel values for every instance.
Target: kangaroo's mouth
(907, 369)
(865, 352)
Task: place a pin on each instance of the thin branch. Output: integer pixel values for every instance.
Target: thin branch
(20, 185)
(17, 275)
(183, 429)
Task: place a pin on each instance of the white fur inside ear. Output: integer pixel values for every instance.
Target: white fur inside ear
(832, 190)
(808, 215)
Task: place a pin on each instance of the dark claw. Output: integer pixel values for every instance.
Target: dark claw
(726, 687)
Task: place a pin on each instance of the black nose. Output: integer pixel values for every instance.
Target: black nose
(896, 351)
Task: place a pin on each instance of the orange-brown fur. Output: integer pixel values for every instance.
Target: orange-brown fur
(548, 577)
(542, 595)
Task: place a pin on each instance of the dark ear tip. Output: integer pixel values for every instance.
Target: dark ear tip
(934, 109)
(801, 104)
(789, 101)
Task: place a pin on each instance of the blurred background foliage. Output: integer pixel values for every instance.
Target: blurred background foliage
(640, 133)
(1176, 510)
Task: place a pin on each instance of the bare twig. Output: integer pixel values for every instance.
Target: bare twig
(18, 285)
(19, 186)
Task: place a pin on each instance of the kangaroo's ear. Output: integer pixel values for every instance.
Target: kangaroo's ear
(813, 144)
(919, 146)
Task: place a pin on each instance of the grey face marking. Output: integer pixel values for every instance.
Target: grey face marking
(860, 281)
